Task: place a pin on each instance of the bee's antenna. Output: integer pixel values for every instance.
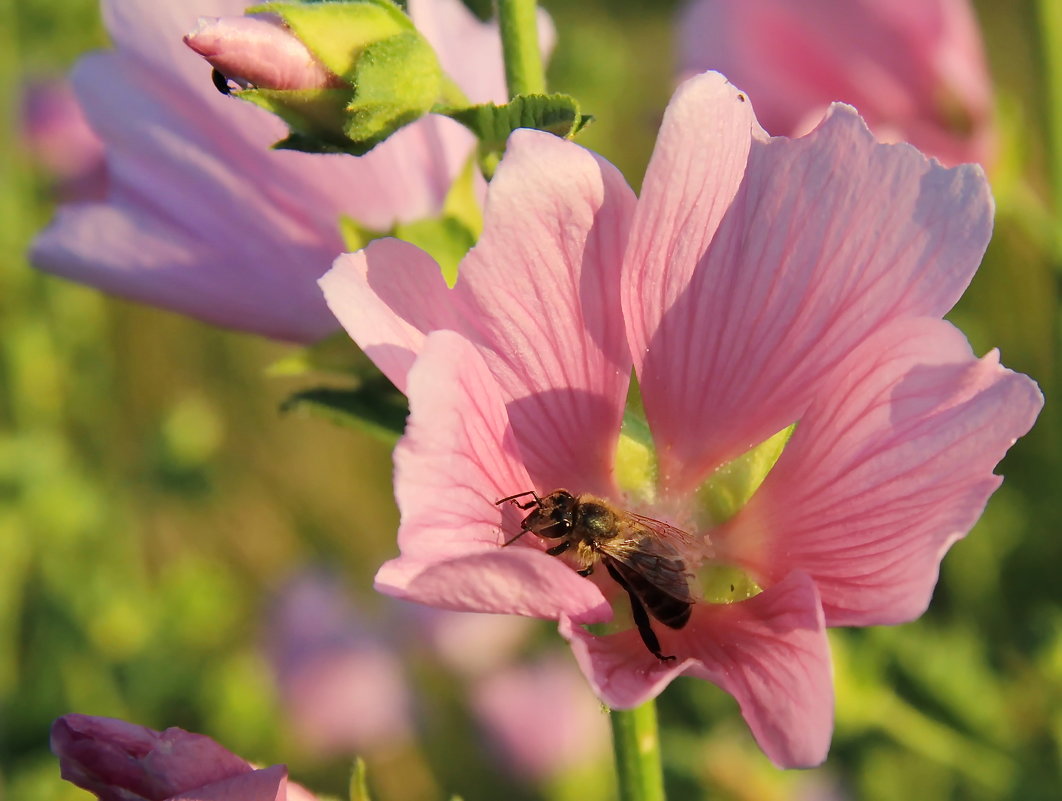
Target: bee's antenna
(514, 539)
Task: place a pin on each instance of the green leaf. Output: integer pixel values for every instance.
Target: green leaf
(359, 781)
(730, 487)
(335, 355)
(379, 410)
(558, 114)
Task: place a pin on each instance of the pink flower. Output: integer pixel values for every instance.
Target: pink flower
(915, 69)
(343, 690)
(756, 283)
(541, 718)
(201, 216)
(59, 139)
(119, 761)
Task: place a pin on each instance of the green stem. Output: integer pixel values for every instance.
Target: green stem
(1051, 46)
(636, 743)
(518, 21)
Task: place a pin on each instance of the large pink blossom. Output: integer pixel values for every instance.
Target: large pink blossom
(120, 761)
(915, 69)
(201, 216)
(756, 283)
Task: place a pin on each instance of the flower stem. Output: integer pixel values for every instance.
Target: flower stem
(518, 21)
(636, 744)
(1050, 12)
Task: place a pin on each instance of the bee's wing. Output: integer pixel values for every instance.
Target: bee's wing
(656, 562)
(682, 541)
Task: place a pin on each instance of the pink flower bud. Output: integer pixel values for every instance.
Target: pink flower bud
(120, 761)
(259, 50)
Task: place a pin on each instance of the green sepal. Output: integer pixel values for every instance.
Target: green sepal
(446, 238)
(393, 74)
(730, 487)
(378, 410)
(397, 81)
(634, 463)
(558, 114)
(338, 32)
(315, 116)
(726, 584)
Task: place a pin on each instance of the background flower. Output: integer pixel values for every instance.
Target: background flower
(915, 69)
(59, 139)
(201, 216)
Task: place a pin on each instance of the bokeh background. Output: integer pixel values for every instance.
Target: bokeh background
(175, 551)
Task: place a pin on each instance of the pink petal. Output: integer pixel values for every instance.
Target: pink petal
(770, 653)
(259, 49)
(890, 465)
(387, 296)
(696, 169)
(829, 238)
(119, 761)
(268, 784)
(455, 460)
(538, 295)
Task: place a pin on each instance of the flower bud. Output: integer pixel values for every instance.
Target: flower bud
(120, 761)
(343, 75)
(259, 51)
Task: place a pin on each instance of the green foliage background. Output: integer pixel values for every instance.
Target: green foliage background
(151, 495)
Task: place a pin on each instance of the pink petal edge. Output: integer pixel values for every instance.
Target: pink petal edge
(889, 467)
(770, 652)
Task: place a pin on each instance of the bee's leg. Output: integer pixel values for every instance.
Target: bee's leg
(557, 550)
(641, 617)
(586, 571)
(535, 500)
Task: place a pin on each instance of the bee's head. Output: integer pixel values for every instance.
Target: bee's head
(552, 518)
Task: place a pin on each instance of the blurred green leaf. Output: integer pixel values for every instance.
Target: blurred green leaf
(371, 408)
(359, 781)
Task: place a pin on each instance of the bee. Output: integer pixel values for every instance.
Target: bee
(642, 555)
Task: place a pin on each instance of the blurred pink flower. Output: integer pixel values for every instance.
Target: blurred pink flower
(201, 216)
(755, 283)
(119, 761)
(541, 718)
(468, 644)
(915, 69)
(60, 140)
(343, 690)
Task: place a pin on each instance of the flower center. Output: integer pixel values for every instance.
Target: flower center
(719, 497)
